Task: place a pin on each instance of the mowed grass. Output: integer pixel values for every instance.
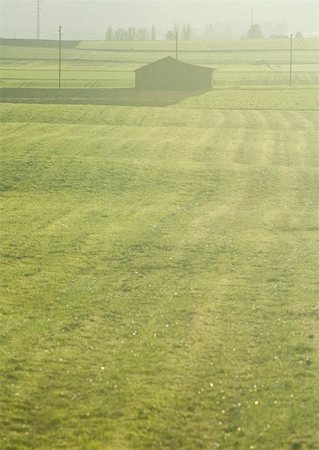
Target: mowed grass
(30, 75)
(159, 276)
(106, 64)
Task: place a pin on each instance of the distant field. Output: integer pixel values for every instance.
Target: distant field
(112, 64)
(238, 45)
(159, 274)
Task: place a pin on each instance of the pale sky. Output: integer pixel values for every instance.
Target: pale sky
(88, 19)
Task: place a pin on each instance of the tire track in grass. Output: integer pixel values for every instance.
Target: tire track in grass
(57, 387)
(171, 410)
(259, 333)
(289, 276)
(272, 243)
(274, 147)
(169, 438)
(310, 144)
(162, 117)
(303, 120)
(235, 149)
(56, 377)
(206, 336)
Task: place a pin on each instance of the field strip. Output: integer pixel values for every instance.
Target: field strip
(101, 117)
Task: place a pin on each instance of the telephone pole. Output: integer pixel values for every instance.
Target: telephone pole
(38, 20)
(60, 54)
(176, 44)
(290, 68)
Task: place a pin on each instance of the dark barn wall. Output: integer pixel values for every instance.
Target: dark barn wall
(196, 79)
(168, 76)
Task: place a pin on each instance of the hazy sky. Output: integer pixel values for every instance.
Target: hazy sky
(88, 19)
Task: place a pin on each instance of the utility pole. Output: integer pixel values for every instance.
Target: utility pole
(38, 20)
(290, 70)
(60, 54)
(176, 44)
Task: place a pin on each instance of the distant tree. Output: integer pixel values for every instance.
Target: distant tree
(228, 30)
(218, 30)
(121, 34)
(153, 33)
(186, 32)
(254, 32)
(281, 28)
(109, 33)
(141, 34)
(132, 33)
(170, 35)
(209, 31)
(299, 35)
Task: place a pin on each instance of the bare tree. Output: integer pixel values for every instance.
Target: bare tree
(186, 32)
(132, 33)
(153, 33)
(109, 33)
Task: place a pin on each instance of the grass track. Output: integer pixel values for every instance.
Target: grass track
(159, 271)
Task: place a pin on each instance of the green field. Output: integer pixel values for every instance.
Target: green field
(159, 250)
(103, 64)
(159, 271)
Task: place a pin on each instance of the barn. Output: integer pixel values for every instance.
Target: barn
(171, 75)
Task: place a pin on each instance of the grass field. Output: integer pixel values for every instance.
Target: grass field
(105, 64)
(160, 274)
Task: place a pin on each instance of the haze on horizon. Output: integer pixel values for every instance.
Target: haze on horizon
(88, 19)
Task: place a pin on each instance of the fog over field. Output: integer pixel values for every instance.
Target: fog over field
(83, 19)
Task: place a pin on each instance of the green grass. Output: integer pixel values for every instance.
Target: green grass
(112, 64)
(160, 274)
(218, 45)
(122, 78)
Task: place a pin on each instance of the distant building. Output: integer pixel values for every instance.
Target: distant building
(173, 75)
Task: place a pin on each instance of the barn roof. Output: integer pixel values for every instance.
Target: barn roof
(169, 61)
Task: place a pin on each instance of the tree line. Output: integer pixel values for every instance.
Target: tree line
(130, 34)
(147, 34)
(213, 30)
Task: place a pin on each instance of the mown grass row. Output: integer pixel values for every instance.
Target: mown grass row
(159, 275)
(38, 79)
(132, 57)
(211, 45)
(217, 45)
